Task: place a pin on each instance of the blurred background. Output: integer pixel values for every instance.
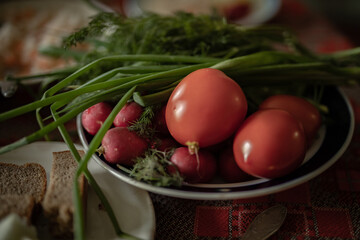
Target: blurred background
(26, 26)
(343, 15)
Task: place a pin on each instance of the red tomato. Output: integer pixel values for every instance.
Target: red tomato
(194, 169)
(270, 143)
(304, 111)
(206, 107)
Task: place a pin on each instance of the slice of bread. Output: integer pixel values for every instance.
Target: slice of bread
(22, 205)
(22, 187)
(28, 179)
(58, 201)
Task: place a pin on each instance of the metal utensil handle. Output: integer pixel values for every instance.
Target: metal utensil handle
(266, 223)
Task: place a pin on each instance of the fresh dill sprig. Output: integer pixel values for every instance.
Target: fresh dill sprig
(179, 34)
(153, 168)
(143, 126)
(96, 27)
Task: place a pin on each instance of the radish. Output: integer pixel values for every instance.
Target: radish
(228, 168)
(121, 146)
(160, 122)
(128, 115)
(195, 168)
(164, 144)
(93, 117)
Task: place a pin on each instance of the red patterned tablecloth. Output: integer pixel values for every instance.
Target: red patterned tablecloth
(327, 207)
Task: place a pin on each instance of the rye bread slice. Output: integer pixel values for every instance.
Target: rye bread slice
(28, 179)
(58, 201)
(22, 205)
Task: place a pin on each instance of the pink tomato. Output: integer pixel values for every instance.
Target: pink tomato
(270, 143)
(304, 111)
(205, 108)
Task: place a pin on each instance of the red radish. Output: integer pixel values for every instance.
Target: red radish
(93, 117)
(121, 146)
(160, 122)
(195, 168)
(129, 114)
(270, 143)
(165, 144)
(305, 112)
(205, 108)
(228, 168)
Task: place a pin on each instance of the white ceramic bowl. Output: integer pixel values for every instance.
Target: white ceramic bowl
(260, 11)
